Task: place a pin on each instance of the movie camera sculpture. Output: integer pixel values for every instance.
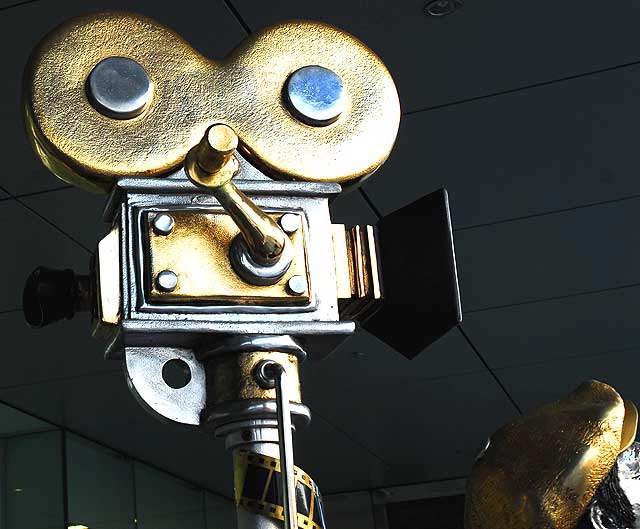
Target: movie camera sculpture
(220, 256)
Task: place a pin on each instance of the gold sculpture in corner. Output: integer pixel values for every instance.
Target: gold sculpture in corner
(542, 470)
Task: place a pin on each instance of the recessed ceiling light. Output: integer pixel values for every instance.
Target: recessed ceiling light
(440, 8)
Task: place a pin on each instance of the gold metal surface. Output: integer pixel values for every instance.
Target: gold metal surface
(215, 150)
(244, 90)
(342, 259)
(108, 282)
(357, 270)
(540, 471)
(211, 165)
(629, 426)
(230, 377)
(197, 251)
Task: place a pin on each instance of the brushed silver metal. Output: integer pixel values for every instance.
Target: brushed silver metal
(143, 367)
(290, 223)
(163, 224)
(119, 88)
(316, 95)
(297, 285)
(286, 448)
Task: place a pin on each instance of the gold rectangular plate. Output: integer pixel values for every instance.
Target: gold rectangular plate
(197, 251)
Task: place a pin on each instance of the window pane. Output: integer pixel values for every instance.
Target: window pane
(221, 513)
(100, 486)
(164, 502)
(34, 481)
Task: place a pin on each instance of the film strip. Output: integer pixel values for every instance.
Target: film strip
(259, 489)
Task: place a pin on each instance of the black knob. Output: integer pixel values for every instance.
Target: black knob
(50, 295)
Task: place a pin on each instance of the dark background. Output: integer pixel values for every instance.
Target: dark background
(436, 513)
(526, 111)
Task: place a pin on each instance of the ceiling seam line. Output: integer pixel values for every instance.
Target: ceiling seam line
(370, 203)
(438, 378)
(491, 372)
(59, 379)
(35, 193)
(238, 16)
(18, 4)
(545, 213)
(570, 358)
(398, 485)
(45, 219)
(43, 191)
(553, 298)
(523, 88)
(23, 433)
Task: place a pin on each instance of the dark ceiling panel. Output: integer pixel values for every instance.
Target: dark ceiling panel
(364, 357)
(64, 350)
(23, 26)
(426, 430)
(77, 212)
(555, 255)
(572, 328)
(351, 208)
(14, 422)
(485, 47)
(335, 462)
(537, 384)
(548, 148)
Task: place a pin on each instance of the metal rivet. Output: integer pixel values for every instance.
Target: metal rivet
(167, 281)
(163, 224)
(315, 95)
(119, 88)
(297, 285)
(440, 8)
(290, 222)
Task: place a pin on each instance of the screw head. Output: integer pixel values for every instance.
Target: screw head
(297, 285)
(263, 374)
(315, 95)
(119, 88)
(167, 281)
(163, 224)
(290, 222)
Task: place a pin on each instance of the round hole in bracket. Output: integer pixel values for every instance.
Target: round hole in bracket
(176, 373)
